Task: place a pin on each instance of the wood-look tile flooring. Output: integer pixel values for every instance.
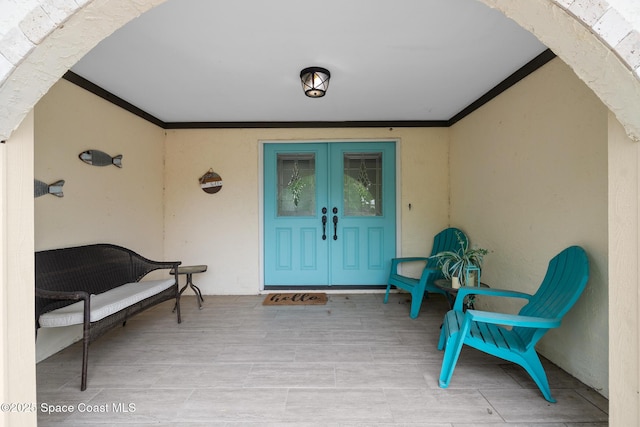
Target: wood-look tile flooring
(352, 362)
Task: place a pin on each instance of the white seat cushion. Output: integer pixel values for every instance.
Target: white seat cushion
(106, 303)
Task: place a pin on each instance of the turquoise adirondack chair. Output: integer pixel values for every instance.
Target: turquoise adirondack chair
(563, 284)
(446, 240)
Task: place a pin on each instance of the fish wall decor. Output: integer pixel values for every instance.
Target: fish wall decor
(100, 158)
(41, 188)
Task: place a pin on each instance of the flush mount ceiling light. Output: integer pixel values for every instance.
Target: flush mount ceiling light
(315, 81)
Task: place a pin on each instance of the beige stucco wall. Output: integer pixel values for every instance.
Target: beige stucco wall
(17, 344)
(223, 230)
(624, 299)
(529, 178)
(100, 204)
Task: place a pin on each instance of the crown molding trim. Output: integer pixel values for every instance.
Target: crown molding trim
(514, 78)
(327, 124)
(109, 97)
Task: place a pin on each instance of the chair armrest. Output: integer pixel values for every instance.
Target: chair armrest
(396, 261)
(475, 290)
(512, 319)
(149, 265)
(69, 296)
(161, 264)
(426, 272)
(62, 295)
(165, 264)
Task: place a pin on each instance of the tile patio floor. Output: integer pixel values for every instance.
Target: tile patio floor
(353, 362)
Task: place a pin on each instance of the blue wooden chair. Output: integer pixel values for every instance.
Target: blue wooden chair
(563, 283)
(446, 240)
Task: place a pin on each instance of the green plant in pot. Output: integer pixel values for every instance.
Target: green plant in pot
(463, 265)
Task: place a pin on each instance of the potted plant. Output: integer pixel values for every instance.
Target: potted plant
(463, 266)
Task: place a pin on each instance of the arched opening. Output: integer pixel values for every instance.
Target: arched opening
(570, 39)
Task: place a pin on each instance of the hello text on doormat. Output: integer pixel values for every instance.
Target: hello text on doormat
(296, 299)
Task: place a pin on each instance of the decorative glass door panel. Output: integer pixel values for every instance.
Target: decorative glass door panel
(329, 213)
(362, 184)
(296, 184)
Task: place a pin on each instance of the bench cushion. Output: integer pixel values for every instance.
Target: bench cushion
(106, 303)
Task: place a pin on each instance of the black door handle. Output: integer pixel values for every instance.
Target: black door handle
(324, 224)
(335, 224)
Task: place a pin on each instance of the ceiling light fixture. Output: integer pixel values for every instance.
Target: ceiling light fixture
(315, 81)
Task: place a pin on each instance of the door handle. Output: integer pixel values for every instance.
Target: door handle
(324, 224)
(335, 224)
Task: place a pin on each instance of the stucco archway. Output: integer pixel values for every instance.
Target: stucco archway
(45, 39)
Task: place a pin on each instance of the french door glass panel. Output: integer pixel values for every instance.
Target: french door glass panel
(296, 184)
(362, 190)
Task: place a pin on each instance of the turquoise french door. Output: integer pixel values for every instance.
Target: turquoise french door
(329, 213)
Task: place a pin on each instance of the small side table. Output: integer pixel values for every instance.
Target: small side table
(452, 292)
(190, 270)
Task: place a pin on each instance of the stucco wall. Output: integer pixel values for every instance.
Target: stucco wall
(100, 204)
(529, 178)
(223, 230)
(17, 348)
(624, 194)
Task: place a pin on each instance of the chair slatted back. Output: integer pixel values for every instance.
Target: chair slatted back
(564, 282)
(446, 240)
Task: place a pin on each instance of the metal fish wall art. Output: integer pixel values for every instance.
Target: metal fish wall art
(41, 188)
(100, 158)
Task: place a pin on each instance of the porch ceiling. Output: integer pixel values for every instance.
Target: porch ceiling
(239, 60)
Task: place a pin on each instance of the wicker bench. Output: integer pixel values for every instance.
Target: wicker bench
(98, 286)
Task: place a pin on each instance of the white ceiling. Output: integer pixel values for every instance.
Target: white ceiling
(240, 60)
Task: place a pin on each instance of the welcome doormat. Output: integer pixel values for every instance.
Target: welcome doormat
(295, 299)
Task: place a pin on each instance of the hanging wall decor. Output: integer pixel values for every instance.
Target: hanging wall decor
(100, 158)
(210, 182)
(41, 188)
